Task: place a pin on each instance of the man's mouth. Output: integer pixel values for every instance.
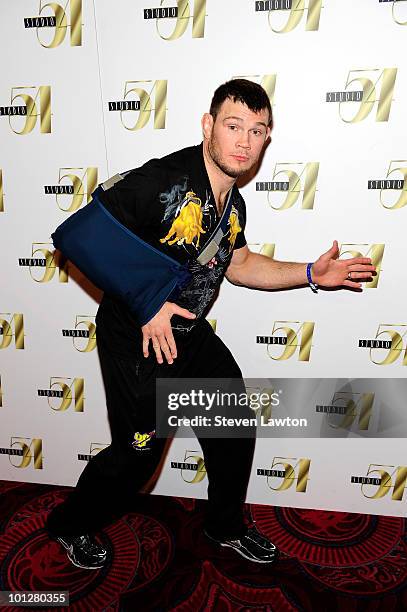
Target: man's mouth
(241, 158)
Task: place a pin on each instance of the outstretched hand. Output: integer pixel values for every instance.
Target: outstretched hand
(159, 331)
(329, 271)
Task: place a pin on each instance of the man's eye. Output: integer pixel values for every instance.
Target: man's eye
(232, 127)
(257, 132)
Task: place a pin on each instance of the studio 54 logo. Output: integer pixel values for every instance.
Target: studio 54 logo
(348, 409)
(140, 100)
(29, 107)
(192, 467)
(365, 91)
(285, 15)
(289, 181)
(285, 472)
(393, 187)
(389, 345)
(73, 188)
(84, 334)
(43, 263)
(294, 337)
(379, 482)
(23, 452)
(53, 22)
(63, 391)
(172, 21)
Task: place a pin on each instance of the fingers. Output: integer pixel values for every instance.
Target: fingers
(360, 271)
(183, 312)
(333, 252)
(163, 343)
(355, 275)
(171, 343)
(352, 284)
(159, 331)
(156, 348)
(160, 345)
(359, 268)
(358, 260)
(358, 275)
(146, 340)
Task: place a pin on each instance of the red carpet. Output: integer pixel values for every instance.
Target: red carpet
(334, 561)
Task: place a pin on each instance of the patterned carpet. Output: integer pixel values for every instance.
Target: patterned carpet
(334, 561)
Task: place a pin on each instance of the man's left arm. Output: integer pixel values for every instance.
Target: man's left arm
(261, 272)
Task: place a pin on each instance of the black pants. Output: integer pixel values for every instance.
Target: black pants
(111, 477)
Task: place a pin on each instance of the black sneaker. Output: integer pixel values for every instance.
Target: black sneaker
(84, 551)
(252, 546)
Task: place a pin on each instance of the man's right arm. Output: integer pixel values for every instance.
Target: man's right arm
(135, 202)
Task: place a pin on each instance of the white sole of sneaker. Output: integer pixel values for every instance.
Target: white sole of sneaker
(82, 566)
(241, 552)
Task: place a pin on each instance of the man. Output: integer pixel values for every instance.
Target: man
(175, 204)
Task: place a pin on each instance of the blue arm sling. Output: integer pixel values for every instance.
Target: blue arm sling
(119, 262)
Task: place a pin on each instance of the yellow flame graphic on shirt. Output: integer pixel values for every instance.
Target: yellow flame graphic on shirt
(234, 227)
(187, 226)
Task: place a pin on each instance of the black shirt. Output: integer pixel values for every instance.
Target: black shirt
(169, 203)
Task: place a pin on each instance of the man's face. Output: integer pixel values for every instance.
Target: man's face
(236, 137)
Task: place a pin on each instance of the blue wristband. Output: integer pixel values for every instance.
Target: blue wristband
(313, 285)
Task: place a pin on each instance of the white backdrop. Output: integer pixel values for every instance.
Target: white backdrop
(65, 63)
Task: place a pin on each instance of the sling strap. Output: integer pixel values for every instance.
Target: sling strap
(212, 244)
(119, 262)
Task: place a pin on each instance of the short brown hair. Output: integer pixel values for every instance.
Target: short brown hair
(244, 91)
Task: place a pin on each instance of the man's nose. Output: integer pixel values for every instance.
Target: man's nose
(243, 140)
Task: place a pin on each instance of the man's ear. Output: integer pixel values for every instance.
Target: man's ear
(207, 125)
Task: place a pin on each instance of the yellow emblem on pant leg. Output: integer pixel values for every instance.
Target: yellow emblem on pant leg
(141, 439)
(187, 226)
